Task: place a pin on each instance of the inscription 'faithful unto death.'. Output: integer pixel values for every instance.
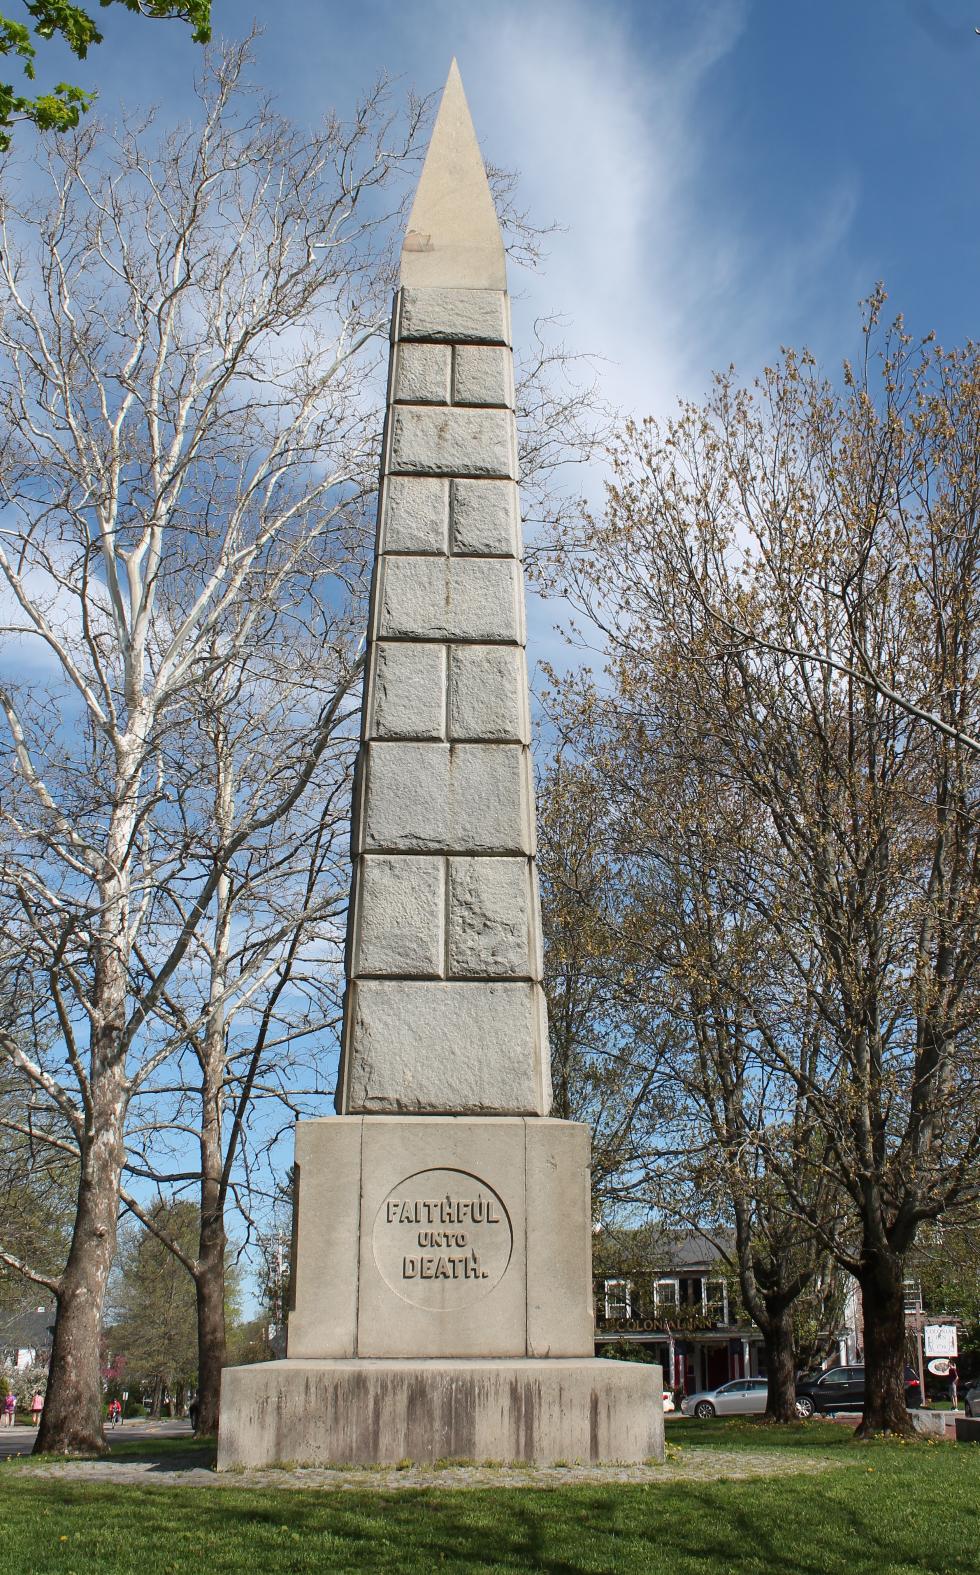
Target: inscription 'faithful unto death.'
(442, 1239)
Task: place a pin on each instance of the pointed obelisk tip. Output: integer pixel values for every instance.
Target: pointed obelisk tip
(453, 237)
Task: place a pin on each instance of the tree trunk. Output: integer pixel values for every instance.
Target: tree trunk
(210, 1285)
(156, 1399)
(71, 1422)
(780, 1364)
(883, 1298)
(769, 1297)
(210, 1276)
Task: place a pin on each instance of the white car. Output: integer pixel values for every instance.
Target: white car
(741, 1397)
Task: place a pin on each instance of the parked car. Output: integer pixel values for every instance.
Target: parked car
(741, 1397)
(971, 1400)
(842, 1389)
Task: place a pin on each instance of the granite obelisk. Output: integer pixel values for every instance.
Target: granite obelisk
(445, 1010)
(442, 1227)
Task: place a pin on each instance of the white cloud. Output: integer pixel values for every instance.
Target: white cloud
(660, 269)
(606, 143)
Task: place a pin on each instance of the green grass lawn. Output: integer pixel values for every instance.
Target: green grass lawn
(878, 1509)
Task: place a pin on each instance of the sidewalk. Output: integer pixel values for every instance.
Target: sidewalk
(16, 1441)
(20, 1440)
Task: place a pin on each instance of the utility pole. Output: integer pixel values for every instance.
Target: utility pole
(913, 1311)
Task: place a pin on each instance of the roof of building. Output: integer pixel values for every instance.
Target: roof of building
(662, 1251)
(29, 1330)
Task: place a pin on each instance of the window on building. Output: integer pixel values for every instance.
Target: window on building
(619, 1301)
(913, 1296)
(666, 1293)
(715, 1298)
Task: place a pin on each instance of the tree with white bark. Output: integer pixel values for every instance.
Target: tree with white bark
(248, 1013)
(187, 437)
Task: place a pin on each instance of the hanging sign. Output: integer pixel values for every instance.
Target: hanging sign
(941, 1339)
(940, 1366)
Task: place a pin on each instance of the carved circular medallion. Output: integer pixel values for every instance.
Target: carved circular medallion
(442, 1239)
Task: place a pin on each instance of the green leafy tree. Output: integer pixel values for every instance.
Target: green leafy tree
(155, 1329)
(60, 107)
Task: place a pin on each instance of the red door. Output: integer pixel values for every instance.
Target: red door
(715, 1366)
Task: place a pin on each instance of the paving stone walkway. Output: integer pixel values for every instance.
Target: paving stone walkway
(695, 1465)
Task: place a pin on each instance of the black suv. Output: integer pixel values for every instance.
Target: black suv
(842, 1389)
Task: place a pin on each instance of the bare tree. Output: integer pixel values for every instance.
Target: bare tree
(776, 522)
(682, 856)
(697, 855)
(259, 992)
(186, 440)
(37, 1167)
(604, 1068)
(940, 385)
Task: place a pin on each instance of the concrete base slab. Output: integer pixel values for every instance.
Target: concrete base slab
(330, 1413)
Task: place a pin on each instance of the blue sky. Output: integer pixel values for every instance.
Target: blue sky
(731, 175)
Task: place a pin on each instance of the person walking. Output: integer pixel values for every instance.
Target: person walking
(954, 1384)
(9, 1408)
(115, 1413)
(37, 1406)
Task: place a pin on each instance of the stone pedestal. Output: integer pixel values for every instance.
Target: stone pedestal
(382, 1412)
(442, 1236)
(442, 1305)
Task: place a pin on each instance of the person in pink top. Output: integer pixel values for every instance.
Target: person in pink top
(9, 1408)
(37, 1406)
